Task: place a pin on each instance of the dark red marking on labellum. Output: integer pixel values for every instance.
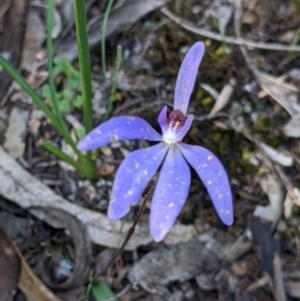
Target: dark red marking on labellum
(176, 119)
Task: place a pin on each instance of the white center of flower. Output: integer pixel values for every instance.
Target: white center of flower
(170, 137)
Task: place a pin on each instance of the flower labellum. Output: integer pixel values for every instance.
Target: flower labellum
(137, 169)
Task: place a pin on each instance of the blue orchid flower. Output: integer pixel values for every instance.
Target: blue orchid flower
(174, 157)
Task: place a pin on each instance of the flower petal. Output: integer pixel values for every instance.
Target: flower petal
(116, 129)
(132, 178)
(187, 76)
(171, 135)
(170, 193)
(211, 171)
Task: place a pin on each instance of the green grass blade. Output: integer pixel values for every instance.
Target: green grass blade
(84, 62)
(49, 25)
(54, 100)
(114, 83)
(103, 37)
(86, 167)
(60, 154)
(15, 75)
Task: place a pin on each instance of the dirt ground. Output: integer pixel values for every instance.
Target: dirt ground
(56, 240)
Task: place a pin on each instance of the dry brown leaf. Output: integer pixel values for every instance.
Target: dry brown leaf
(292, 128)
(284, 93)
(83, 253)
(33, 39)
(278, 287)
(223, 98)
(293, 288)
(272, 187)
(225, 11)
(276, 156)
(19, 273)
(10, 268)
(261, 282)
(11, 37)
(288, 206)
(57, 24)
(126, 14)
(4, 6)
(15, 133)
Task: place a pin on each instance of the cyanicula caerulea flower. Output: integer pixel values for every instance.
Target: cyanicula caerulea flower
(137, 169)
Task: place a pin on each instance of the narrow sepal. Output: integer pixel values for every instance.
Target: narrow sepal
(170, 193)
(187, 75)
(214, 177)
(132, 178)
(116, 129)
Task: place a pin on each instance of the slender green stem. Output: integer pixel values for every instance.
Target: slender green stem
(60, 154)
(84, 62)
(103, 37)
(86, 167)
(54, 99)
(114, 83)
(49, 24)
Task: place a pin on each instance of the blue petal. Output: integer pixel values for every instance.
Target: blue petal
(170, 193)
(187, 76)
(132, 178)
(116, 129)
(214, 177)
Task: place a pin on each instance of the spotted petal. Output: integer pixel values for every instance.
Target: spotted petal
(170, 193)
(211, 171)
(187, 76)
(132, 178)
(116, 129)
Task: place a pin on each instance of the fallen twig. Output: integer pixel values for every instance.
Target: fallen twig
(230, 40)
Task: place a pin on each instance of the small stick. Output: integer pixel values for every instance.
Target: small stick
(131, 230)
(230, 40)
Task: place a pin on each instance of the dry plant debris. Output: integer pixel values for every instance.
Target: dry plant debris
(16, 272)
(247, 106)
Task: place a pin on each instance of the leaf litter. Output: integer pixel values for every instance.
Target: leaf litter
(253, 134)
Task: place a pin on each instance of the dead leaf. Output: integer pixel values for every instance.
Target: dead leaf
(278, 287)
(11, 38)
(83, 253)
(17, 272)
(4, 6)
(15, 133)
(33, 39)
(288, 206)
(35, 121)
(284, 93)
(292, 128)
(10, 268)
(57, 24)
(225, 11)
(293, 288)
(127, 13)
(272, 187)
(276, 156)
(223, 98)
(211, 90)
(17, 181)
